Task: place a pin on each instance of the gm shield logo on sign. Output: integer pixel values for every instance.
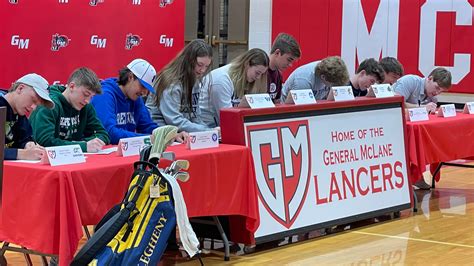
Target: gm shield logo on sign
(282, 156)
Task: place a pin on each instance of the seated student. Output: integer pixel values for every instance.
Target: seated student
(420, 91)
(392, 68)
(285, 50)
(178, 86)
(318, 76)
(24, 96)
(368, 73)
(72, 120)
(226, 85)
(120, 107)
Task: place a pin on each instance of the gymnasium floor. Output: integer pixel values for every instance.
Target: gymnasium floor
(442, 233)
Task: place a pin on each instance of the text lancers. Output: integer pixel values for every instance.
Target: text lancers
(359, 182)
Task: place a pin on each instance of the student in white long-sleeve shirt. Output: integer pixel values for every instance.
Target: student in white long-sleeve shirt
(177, 88)
(228, 84)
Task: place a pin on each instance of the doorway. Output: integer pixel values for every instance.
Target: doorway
(224, 24)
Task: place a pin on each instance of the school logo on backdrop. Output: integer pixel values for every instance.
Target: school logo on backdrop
(19, 42)
(166, 41)
(95, 2)
(59, 41)
(132, 40)
(164, 3)
(282, 155)
(98, 42)
(13, 2)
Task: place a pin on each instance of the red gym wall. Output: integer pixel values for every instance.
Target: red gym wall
(53, 37)
(422, 34)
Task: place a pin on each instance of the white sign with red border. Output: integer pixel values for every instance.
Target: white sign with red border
(62, 155)
(322, 168)
(132, 146)
(469, 108)
(203, 140)
(418, 114)
(447, 110)
(300, 97)
(255, 101)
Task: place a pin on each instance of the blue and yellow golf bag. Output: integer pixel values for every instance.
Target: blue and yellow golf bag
(136, 231)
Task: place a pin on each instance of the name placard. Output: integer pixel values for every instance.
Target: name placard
(447, 110)
(300, 97)
(469, 108)
(255, 101)
(202, 140)
(418, 114)
(380, 91)
(132, 146)
(340, 93)
(61, 155)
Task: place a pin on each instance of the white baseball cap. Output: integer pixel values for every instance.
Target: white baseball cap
(144, 71)
(40, 85)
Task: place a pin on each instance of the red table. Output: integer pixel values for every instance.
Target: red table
(439, 140)
(45, 207)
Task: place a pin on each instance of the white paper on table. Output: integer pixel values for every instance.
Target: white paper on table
(104, 151)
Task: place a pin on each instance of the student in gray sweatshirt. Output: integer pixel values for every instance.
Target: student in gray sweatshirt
(177, 88)
(225, 86)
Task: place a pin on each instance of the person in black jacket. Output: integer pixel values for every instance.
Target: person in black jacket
(24, 95)
(368, 73)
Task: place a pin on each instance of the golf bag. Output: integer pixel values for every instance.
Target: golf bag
(136, 231)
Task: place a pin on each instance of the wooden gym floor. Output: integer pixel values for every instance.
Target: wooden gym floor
(442, 233)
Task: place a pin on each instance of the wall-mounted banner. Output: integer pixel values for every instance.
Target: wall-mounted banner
(52, 38)
(421, 34)
(326, 167)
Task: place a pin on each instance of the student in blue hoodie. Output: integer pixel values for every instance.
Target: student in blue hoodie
(120, 107)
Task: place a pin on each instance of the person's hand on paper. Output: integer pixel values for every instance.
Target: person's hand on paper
(431, 108)
(182, 137)
(95, 145)
(32, 153)
(31, 144)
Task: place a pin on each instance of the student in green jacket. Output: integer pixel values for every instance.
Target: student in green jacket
(72, 120)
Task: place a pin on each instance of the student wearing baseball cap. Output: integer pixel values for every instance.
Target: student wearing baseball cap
(121, 108)
(24, 96)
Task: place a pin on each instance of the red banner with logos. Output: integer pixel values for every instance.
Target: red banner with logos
(422, 34)
(53, 37)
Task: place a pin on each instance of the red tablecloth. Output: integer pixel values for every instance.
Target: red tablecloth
(45, 207)
(439, 140)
